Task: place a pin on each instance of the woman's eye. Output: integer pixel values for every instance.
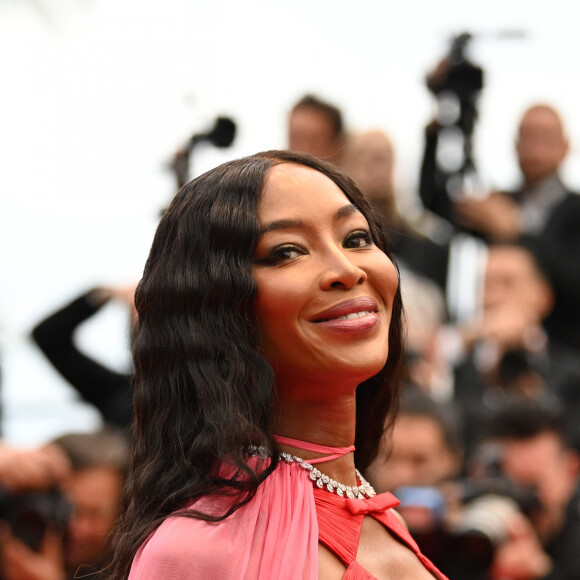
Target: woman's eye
(282, 254)
(358, 239)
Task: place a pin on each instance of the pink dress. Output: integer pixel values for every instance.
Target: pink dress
(274, 536)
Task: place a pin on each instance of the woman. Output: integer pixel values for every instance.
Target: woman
(267, 302)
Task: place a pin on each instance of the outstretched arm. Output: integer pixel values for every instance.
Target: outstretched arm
(106, 389)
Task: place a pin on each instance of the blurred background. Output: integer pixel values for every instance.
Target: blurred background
(98, 95)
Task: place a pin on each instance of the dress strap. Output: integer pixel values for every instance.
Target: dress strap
(335, 452)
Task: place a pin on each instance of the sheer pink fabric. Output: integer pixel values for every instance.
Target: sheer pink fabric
(273, 536)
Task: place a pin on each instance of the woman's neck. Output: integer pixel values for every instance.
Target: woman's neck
(330, 423)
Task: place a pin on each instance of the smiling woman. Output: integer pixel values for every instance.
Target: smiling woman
(269, 340)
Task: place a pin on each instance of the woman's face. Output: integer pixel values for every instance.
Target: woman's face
(325, 291)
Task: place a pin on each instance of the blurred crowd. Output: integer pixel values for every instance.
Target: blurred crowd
(485, 454)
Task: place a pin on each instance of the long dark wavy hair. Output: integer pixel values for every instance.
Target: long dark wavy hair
(203, 392)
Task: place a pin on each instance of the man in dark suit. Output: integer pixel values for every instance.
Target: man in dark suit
(543, 214)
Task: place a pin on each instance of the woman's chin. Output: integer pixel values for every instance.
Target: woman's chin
(352, 373)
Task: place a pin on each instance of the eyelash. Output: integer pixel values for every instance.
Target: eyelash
(364, 234)
(280, 253)
(276, 256)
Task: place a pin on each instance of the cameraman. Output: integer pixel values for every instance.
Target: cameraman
(536, 452)
(543, 212)
(472, 528)
(505, 352)
(98, 464)
(27, 473)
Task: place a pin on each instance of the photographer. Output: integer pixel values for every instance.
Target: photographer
(505, 352)
(90, 493)
(536, 452)
(29, 479)
(542, 211)
(475, 528)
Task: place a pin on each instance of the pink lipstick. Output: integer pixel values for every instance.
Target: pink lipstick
(354, 315)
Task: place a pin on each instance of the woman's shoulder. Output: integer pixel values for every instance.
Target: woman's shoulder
(186, 547)
(272, 536)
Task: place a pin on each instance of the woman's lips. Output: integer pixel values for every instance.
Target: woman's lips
(360, 324)
(354, 315)
(355, 306)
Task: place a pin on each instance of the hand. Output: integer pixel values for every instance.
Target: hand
(496, 216)
(32, 469)
(521, 556)
(19, 562)
(508, 327)
(180, 166)
(438, 75)
(124, 294)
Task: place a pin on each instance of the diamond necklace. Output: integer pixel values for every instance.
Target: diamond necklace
(364, 489)
(322, 481)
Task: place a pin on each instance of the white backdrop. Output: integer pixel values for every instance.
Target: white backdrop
(97, 94)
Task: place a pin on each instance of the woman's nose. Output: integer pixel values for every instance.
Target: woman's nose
(340, 272)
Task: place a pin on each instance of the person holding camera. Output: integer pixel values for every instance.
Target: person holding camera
(537, 452)
(543, 213)
(62, 530)
(29, 483)
(505, 351)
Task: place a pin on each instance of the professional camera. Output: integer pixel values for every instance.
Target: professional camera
(460, 526)
(456, 83)
(30, 514)
(456, 73)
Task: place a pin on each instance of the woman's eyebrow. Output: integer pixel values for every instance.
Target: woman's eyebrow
(346, 211)
(287, 224)
(281, 225)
